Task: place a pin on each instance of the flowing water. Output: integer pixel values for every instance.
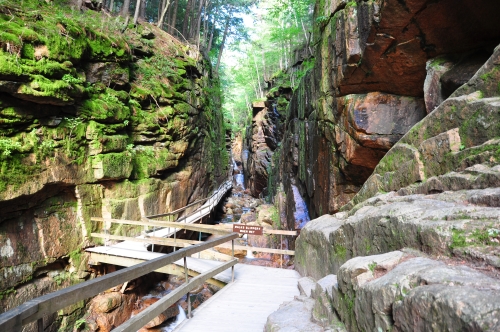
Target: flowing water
(240, 180)
(238, 207)
(170, 324)
(301, 213)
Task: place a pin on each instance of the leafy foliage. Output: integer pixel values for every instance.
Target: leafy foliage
(280, 27)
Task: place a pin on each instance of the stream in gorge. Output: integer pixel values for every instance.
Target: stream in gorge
(238, 207)
(241, 207)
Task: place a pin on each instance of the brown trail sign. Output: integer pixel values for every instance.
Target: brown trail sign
(244, 229)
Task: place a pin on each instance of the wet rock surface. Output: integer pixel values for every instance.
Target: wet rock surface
(117, 305)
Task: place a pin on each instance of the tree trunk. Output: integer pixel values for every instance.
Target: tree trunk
(209, 46)
(137, 10)
(187, 14)
(258, 76)
(168, 15)
(193, 20)
(173, 21)
(198, 23)
(205, 23)
(126, 5)
(264, 73)
(142, 13)
(112, 6)
(161, 5)
(162, 17)
(226, 29)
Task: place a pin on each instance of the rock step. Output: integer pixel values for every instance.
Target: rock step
(401, 292)
(313, 312)
(396, 291)
(438, 224)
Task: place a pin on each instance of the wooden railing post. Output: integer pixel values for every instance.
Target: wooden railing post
(175, 238)
(40, 324)
(281, 246)
(107, 227)
(232, 256)
(187, 281)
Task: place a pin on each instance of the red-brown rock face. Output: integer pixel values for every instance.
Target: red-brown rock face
(383, 45)
(261, 142)
(366, 89)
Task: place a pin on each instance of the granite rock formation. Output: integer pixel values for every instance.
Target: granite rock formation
(436, 192)
(380, 67)
(415, 244)
(264, 136)
(395, 291)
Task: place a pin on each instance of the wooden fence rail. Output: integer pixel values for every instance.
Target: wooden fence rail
(213, 199)
(37, 308)
(212, 229)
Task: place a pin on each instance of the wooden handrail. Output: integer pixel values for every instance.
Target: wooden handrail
(186, 243)
(32, 310)
(259, 249)
(178, 210)
(171, 224)
(149, 240)
(145, 316)
(225, 185)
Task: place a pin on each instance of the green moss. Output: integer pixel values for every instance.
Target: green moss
(105, 107)
(28, 51)
(76, 257)
(144, 163)
(15, 33)
(340, 252)
(7, 292)
(115, 165)
(11, 65)
(14, 173)
(41, 86)
(105, 47)
(74, 48)
(437, 62)
(478, 237)
(368, 246)
(151, 77)
(95, 130)
(182, 108)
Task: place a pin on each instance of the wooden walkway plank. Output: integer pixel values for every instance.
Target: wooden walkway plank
(124, 257)
(137, 249)
(245, 304)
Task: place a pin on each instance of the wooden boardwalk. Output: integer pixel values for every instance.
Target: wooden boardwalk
(245, 304)
(127, 253)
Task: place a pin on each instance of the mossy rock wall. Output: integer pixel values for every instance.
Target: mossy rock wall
(95, 123)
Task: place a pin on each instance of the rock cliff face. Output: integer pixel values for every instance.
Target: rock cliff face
(263, 138)
(381, 66)
(436, 191)
(417, 249)
(415, 246)
(94, 123)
